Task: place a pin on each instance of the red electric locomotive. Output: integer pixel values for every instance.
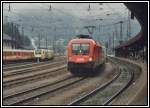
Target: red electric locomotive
(84, 54)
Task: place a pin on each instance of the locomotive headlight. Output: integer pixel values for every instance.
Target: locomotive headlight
(69, 58)
(90, 59)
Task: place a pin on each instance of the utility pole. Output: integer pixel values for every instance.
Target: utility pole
(46, 42)
(99, 32)
(12, 37)
(54, 41)
(50, 7)
(19, 38)
(39, 41)
(38, 49)
(121, 31)
(89, 8)
(127, 30)
(6, 19)
(109, 44)
(113, 42)
(9, 8)
(106, 45)
(15, 30)
(22, 30)
(116, 33)
(129, 26)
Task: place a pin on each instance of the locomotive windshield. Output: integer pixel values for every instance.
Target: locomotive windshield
(37, 52)
(80, 49)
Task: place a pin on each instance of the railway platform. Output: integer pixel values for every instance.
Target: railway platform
(137, 93)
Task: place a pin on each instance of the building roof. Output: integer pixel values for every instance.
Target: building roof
(130, 42)
(140, 12)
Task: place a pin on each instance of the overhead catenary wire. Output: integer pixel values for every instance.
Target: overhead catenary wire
(50, 9)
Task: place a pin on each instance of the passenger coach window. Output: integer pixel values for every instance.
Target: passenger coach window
(80, 49)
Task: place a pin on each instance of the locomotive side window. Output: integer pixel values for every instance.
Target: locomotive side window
(80, 49)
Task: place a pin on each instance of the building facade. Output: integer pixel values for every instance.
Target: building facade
(8, 42)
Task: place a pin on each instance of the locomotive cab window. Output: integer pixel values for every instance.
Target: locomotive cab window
(37, 52)
(85, 48)
(80, 49)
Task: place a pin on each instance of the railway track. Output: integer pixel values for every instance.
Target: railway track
(73, 90)
(33, 76)
(14, 64)
(123, 80)
(32, 69)
(38, 94)
(120, 90)
(19, 98)
(22, 96)
(25, 65)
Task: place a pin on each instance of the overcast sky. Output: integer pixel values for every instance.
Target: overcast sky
(36, 18)
(75, 9)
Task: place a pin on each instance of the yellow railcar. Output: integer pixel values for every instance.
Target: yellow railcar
(44, 54)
